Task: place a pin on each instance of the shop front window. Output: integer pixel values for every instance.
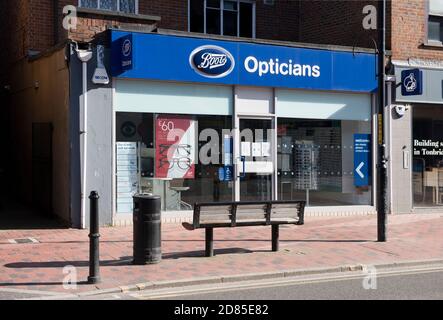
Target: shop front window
(427, 173)
(325, 162)
(175, 156)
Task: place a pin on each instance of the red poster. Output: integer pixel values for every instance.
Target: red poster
(175, 147)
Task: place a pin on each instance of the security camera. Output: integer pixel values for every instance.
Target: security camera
(401, 109)
(84, 55)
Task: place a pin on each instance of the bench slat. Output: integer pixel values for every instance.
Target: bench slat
(249, 213)
(246, 216)
(215, 209)
(286, 205)
(206, 219)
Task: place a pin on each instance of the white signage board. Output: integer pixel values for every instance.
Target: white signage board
(127, 175)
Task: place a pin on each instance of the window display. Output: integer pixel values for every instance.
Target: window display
(316, 162)
(166, 148)
(427, 142)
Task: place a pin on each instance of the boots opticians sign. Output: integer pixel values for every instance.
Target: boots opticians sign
(216, 62)
(190, 59)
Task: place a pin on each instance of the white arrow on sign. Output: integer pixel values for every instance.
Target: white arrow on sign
(359, 168)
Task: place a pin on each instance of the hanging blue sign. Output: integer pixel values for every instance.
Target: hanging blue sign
(189, 59)
(412, 82)
(362, 160)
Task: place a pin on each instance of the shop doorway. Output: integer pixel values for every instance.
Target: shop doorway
(42, 168)
(255, 179)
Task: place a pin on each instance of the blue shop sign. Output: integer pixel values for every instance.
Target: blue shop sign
(362, 160)
(124, 50)
(186, 59)
(412, 82)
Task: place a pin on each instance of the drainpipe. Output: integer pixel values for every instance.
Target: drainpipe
(84, 56)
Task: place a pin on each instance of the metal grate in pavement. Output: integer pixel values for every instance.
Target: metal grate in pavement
(23, 241)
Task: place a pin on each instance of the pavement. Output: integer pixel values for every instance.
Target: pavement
(57, 256)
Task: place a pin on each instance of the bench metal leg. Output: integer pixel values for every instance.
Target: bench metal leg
(209, 242)
(301, 219)
(275, 237)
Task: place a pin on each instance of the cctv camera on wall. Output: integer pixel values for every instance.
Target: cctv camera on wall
(400, 109)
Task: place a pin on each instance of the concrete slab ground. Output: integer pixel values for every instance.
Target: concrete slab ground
(325, 243)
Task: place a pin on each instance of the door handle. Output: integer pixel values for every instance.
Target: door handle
(243, 174)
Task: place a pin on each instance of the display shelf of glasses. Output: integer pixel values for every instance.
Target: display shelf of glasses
(306, 164)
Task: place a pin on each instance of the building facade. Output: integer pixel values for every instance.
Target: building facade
(261, 114)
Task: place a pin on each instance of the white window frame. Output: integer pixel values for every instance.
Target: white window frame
(428, 15)
(222, 9)
(118, 6)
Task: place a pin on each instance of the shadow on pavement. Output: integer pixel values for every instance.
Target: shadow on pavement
(123, 261)
(18, 284)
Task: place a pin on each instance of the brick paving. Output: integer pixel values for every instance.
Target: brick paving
(322, 242)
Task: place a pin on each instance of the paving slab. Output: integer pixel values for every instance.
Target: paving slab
(58, 261)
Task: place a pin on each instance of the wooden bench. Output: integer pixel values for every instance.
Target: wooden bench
(245, 214)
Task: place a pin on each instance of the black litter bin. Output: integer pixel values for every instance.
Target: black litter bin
(147, 229)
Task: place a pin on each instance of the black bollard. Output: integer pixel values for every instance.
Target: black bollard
(94, 241)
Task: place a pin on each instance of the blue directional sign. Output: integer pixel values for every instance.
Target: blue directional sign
(226, 173)
(412, 82)
(362, 160)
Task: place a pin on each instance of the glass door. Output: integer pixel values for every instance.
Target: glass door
(255, 162)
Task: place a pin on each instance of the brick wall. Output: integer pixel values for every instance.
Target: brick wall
(335, 22)
(13, 34)
(37, 24)
(90, 24)
(41, 21)
(279, 21)
(409, 20)
(174, 13)
(32, 24)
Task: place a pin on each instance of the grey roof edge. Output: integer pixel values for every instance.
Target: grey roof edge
(119, 14)
(257, 41)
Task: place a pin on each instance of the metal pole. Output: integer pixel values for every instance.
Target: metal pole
(84, 56)
(84, 141)
(382, 160)
(275, 237)
(94, 241)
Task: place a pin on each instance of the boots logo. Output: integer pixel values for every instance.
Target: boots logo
(127, 48)
(212, 61)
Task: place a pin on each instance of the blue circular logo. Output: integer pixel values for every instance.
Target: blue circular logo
(212, 61)
(126, 47)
